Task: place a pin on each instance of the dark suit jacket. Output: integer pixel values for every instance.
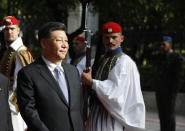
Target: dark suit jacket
(5, 116)
(42, 103)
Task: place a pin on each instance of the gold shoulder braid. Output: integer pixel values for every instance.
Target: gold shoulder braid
(26, 58)
(13, 100)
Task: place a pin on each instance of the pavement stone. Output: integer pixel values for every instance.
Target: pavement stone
(152, 122)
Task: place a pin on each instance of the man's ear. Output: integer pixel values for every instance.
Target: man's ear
(18, 30)
(43, 43)
(122, 38)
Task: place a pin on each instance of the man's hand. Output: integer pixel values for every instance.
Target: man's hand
(86, 78)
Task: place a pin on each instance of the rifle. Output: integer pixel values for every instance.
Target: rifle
(88, 58)
(87, 41)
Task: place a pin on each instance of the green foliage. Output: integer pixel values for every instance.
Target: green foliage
(46, 10)
(3, 8)
(38, 11)
(163, 15)
(145, 76)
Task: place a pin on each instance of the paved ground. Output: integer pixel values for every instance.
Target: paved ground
(152, 122)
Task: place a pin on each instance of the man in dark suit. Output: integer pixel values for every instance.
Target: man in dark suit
(5, 120)
(46, 102)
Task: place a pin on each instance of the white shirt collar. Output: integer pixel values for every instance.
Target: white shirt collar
(16, 44)
(51, 65)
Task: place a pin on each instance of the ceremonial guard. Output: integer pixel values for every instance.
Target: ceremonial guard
(14, 58)
(79, 48)
(116, 101)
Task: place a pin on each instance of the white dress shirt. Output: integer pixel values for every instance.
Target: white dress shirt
(51, 66)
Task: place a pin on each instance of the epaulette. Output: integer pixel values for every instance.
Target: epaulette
(25, 57)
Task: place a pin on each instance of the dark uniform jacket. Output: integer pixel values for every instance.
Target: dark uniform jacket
(169, 70)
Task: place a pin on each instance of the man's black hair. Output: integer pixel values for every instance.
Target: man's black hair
(46, 29)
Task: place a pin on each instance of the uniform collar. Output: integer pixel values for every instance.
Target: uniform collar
(80, 54)
(113, 52)
(16, 44)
